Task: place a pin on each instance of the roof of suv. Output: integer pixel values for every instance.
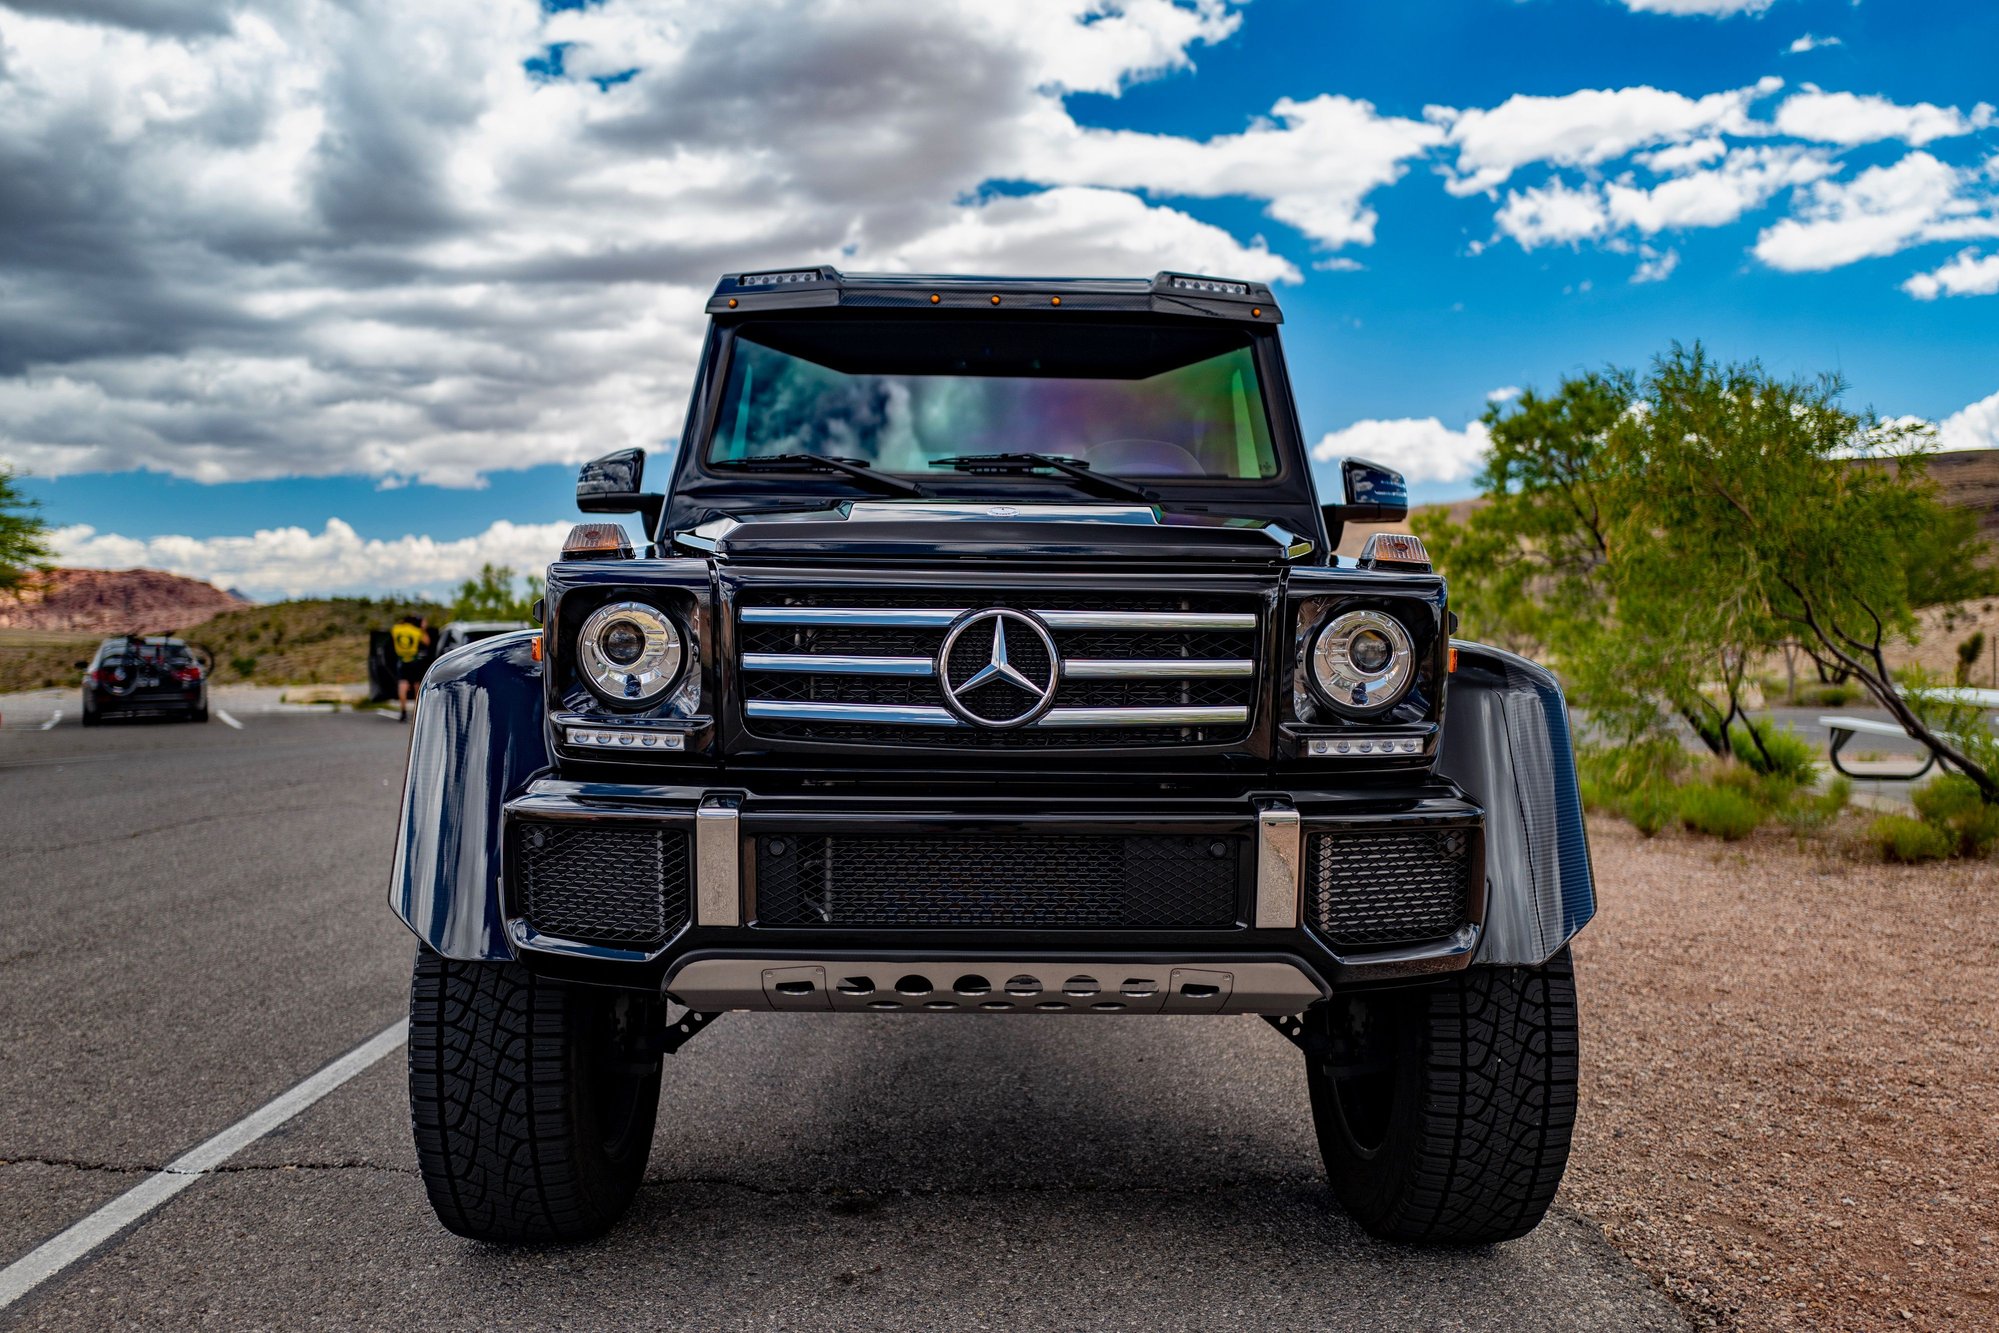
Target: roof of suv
(822, 286)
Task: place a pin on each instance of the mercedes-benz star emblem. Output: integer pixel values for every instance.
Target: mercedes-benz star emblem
(998, 668)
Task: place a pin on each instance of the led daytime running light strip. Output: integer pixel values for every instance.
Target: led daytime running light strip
(1363, 747)
(621, 738)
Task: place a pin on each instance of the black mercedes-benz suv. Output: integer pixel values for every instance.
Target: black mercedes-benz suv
(987, 654)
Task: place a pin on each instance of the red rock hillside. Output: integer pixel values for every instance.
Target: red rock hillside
(110, 601)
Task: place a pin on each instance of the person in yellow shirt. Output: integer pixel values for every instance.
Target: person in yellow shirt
(411, 639)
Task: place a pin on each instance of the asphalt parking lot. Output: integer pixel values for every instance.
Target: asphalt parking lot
(196, 924)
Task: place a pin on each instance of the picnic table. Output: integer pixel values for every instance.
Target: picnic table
(1844, 729)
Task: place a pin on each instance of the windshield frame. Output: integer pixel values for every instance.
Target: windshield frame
(1224, 344)
(701, 492)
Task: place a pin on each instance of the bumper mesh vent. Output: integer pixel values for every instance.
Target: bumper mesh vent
(1014, 881)
(622, 887)
(1379, 889)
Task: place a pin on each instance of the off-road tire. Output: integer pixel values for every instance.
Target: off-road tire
(1444, 1110)
(533, 1108)
(91, 718)
(198, 714)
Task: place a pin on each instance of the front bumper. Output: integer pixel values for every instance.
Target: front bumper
(725, 950)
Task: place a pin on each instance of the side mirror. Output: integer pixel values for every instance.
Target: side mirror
(1374, 494)
(614, 484)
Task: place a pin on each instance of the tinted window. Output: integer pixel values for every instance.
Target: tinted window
(1156, 400)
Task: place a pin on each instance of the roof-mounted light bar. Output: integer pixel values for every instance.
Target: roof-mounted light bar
(1188, 282)
(783, 278)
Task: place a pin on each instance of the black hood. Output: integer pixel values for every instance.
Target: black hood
(926, 529)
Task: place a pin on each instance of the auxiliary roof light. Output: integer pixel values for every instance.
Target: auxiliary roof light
(1181, 282)
(783, 279)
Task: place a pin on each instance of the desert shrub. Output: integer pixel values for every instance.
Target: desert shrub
(1906, 838)
(1950, 802)
(1809, 811)
(1790, 757)
(1827, 696)
(1651, 808)
(1725, 810)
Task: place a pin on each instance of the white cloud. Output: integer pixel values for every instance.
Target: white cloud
(1584, 128)
(1810, 43)
(1849, 118)
(1316, 161)
(1505, 394)
(1712, 8)
(363, 238)
(1973, 427)
(1745, 179)
(293, 562)
(1552, 214)
(1421, 449)
(1656, 267)
(1878, 212)
(1967, 274)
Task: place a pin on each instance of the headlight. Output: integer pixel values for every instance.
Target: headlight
(630, 653)
(1363, 661)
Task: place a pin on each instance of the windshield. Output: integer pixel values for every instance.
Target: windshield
(1128, 399)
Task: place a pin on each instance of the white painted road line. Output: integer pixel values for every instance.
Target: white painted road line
(223, 713)
(52, 1256)
(54, 718)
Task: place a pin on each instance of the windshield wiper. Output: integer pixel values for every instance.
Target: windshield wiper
(1073, 468)
(852, 467)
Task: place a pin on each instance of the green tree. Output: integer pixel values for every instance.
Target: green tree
(1659, 537)
(495, 593)
(1826, 519)
(1530, 567)
(23, 536)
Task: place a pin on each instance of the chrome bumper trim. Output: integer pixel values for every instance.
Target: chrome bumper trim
(1278, 873)
(999, 986)
(718, 892)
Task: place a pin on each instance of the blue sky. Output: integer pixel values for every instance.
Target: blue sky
(406, 309)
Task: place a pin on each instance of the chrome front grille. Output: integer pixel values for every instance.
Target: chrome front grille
(1137, 669)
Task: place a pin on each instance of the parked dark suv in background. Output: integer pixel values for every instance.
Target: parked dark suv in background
(149, 675)
(988, 656)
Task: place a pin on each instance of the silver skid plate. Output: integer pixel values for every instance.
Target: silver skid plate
(995, 986)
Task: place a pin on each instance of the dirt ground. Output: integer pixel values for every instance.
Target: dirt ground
(1790, 1113)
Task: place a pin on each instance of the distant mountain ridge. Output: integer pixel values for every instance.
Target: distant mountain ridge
(111, 601)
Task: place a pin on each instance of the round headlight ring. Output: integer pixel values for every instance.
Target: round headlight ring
(1348, 686)
(644, 676)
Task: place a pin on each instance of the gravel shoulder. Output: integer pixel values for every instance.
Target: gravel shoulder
(1789, 1106)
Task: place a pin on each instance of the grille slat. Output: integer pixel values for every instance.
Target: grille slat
(1139, 669)
(624, 887)
(1379, 889)
(1013, 881)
